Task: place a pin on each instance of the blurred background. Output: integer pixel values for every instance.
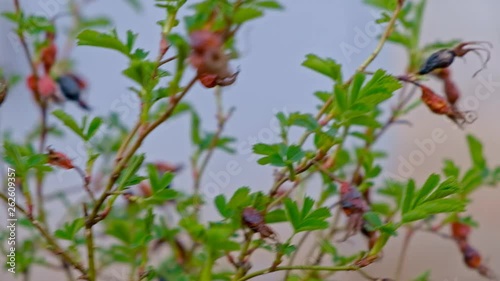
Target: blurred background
(272, 80)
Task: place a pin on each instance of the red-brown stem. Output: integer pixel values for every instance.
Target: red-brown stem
(403, 254)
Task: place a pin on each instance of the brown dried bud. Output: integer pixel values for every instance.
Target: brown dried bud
(59, 159)
(460, 231)
(254, 220)
(451, 91)
(472, 258)
(434, 102)
(48, 56)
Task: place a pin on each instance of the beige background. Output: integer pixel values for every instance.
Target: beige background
(273, 49)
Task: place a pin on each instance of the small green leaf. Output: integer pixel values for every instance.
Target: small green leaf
(69, 122)
(94, 126)
(428, 187)
(269, 5)
(103, 40)
(373, 220)
(476, 152)
(246, 14)
(408, 197)
(327, 67)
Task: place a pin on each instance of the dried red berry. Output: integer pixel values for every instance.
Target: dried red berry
(210, 60)
(59, 159)
(444, 58)
(472, 258)
(451, 91)
(254, 220)
(460, 231)
(47, 86)
(48, 56)
(354, 206)
(434, 102)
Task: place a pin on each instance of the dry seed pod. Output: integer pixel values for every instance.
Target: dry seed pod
(354, 206)
(254, 220)
(59, 159)
(444, 58)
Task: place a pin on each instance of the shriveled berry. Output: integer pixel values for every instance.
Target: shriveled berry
(69, 87)
(451, 91)
(472, 258)
(440, 59)
(46, 86)
(460, 231)
(434, 102)
(48, 56)
(59, 159)
(254, 220)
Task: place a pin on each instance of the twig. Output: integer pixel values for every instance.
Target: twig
(299, 267)
(221, 122)
(404, 250)
(167, 60)
(89, 239)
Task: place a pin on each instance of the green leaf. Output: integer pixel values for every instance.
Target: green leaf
(240, 199)
(142, 72)
(446, 188)
(292, 212)
(294, 153)
(426, 209)
(357, 84)
(428, 187)
(221, 205)
(269, 5)
(36, 160)
(305, 220)
(276, 216)
(162, 196)
(408, 197)
(378, 89)
(130, 171)
(450, 169)
(373, 220)
(246, 14)
(303, 120)
(476, 152)
(423, 277)
(264, 149)
(388, 5)
(195, 128)
(327, 67)
(103, 40)
(341, 98)
(94, 126)
(69, 122)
